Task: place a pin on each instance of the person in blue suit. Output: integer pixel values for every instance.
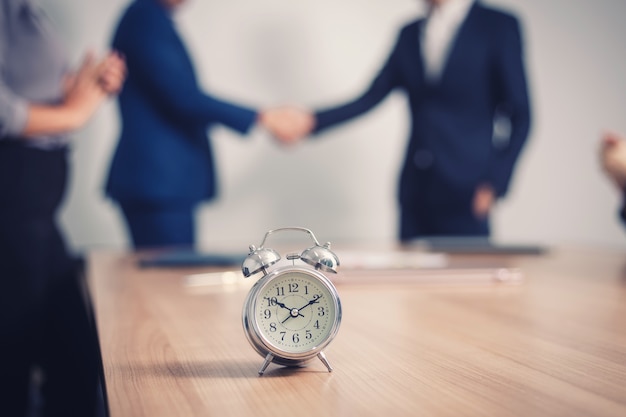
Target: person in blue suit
(163, 164)
(462, 68)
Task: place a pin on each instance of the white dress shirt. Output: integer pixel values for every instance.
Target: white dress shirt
(442, 25)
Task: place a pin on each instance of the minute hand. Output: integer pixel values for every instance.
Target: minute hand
(297, 310)
(313, 301)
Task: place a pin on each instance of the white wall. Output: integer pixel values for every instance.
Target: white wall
(319, 52)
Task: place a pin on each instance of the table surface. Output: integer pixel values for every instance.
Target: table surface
(555, 344)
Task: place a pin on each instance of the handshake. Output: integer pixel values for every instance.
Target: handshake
(288, 124)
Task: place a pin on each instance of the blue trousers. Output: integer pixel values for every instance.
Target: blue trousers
(421, 221)
(153, 226)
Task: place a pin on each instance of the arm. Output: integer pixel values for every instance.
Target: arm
(21, 118)
(82, 98)
(161, 68)
(88, 88)
(13, 112)
(511, 85)
(13, 109)
(386, 80)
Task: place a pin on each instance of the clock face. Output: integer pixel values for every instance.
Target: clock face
(296, 312)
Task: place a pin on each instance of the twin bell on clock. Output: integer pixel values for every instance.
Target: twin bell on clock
(293, 311)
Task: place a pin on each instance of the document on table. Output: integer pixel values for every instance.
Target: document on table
(358, 267)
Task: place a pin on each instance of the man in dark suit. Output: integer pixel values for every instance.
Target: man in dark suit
(462, 69)
(163, 165)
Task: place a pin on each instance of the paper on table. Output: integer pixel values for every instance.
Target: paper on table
(217, 281)
(367, 267)
(443, 276)
(392, 260)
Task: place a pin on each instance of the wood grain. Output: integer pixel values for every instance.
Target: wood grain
(552, 346)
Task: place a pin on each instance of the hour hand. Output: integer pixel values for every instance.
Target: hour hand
(291, 311)
(278, 303)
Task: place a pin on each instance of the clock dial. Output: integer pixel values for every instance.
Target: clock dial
(296, 312)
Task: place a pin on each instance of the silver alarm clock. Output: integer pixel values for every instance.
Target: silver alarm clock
(293, 311)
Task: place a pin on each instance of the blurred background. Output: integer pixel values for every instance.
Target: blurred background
(321, 52)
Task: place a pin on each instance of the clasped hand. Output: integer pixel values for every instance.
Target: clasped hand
(93, 82)
(288, 124)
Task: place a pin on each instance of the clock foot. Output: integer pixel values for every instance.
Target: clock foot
(268, 359)
(325, 361)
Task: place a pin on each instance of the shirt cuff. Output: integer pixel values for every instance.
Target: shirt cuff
(16, 117)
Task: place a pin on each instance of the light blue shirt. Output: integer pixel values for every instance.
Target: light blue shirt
(32, 68)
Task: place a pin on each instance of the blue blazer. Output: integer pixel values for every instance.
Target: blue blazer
(163, 155)
(451, 145)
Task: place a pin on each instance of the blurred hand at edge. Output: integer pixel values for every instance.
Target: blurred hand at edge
(484, 198)
(613, 158)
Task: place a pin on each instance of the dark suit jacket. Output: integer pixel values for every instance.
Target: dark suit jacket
(451, 136)
(163, 155)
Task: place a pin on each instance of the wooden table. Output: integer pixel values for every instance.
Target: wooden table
(554, 345)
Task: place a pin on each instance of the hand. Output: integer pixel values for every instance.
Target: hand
(313, 301)
(288, 124)
(613, 158)
(83, 93)
(295, 312)
(483, 201)
(92, 83)
(282, 305)
(112, 73)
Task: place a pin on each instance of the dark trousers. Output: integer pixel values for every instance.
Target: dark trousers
(415, 224)
(440, 211)
(44, 322)
(152, 225)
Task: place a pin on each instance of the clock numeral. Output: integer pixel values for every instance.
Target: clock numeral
(306, 289)
(280, 291)
(317, 324)
(270, 301)
(321, 311)
(272, 327)
(293, 287)
(267, 314)
(282, 336)
(308, 335)
(295, 338)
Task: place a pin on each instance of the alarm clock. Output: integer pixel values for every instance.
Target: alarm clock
(293, 311)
